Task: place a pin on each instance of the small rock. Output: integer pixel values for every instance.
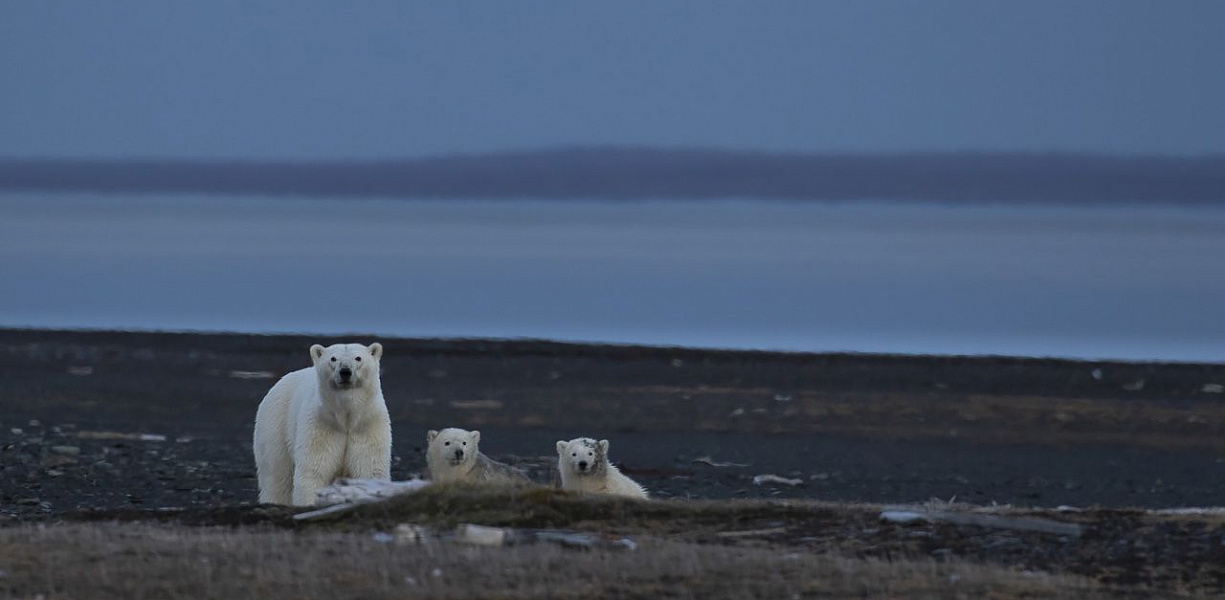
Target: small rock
(410, 535)
(736, 413)
(902, 516)
(771, 478)
(17, 431)
(476, 404)
(35, 423)
(1213, 388)
(28, 501)
(66, 450)
(252, 374)
(81, 371)
(479, 535)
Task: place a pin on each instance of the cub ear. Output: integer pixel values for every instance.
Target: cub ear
(475, 436)
(430, 435)
(603, 445)
(376, 350)
(561, 446)
(317, 352)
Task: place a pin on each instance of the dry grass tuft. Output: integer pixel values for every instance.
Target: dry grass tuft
(132, 561)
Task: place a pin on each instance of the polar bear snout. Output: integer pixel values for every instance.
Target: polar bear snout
(346, 376)
(582, 465)
(459, 454)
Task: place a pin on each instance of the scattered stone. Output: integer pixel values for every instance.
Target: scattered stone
(410, 535)
(477, 404)
(706, 460)
(737, 413)
(1213, 388)
(902, 516)
(771, 478)
(1134, 386)
(52, 462)
(81, 371)
(66, 450)
(252, 374)
(17, 431)
(480, 535)
(35, 423)
(115, 435)
(752, 532)
(1033, 524)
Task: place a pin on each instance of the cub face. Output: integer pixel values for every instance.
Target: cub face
(582, 456)
(347, 366)
(453, 446)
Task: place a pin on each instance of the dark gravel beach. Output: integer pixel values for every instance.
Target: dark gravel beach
(686, 423)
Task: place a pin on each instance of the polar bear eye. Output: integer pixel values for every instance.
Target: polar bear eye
(447, 444)
(333, 359)
(465, 443)
(574, 454)
(358, 359)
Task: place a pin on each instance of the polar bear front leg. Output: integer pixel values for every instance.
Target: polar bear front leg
(369, 454)
(317, 462)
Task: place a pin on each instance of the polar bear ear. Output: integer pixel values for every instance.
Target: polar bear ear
(317, 352)
(376, 350)
(603, 445)
(561, 446)
(475, 436)
(430, 435)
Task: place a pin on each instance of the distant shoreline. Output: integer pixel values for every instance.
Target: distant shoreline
(641, 173)
(527, 346)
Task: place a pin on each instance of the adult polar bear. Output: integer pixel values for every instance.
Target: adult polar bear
(322, 423)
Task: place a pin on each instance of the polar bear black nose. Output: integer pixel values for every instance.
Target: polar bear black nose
(346, 373)
(582, 465)
(459, 453)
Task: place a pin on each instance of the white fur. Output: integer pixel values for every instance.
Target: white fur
(312, 428)
(599, 475)
(455, 455)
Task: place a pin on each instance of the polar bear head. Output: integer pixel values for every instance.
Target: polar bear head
(454, 448)
(582, 456)
(347, 366)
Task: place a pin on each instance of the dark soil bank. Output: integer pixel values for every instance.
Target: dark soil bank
(687, 423)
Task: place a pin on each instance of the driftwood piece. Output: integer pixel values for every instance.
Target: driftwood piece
(347, 494)
(981, 520)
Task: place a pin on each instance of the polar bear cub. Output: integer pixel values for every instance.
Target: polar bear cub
(322, 423)
(455, 455)
(584, 467)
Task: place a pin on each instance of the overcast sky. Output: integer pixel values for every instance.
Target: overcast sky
(298, 79)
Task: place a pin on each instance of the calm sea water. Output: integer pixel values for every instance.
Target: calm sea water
(1135, 283)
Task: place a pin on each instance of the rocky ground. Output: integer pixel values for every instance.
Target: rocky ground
(98, 423)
